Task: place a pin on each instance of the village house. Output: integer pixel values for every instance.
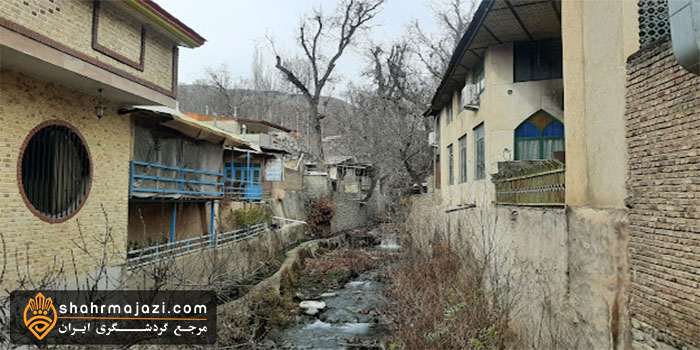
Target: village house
(251, 174)
(68, 67)
(563, 157)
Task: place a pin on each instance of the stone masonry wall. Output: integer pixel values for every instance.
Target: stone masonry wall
(663, 134)
(35, 247)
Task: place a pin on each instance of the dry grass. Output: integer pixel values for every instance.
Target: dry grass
(334, 269)
(321, 211)
(438, 302)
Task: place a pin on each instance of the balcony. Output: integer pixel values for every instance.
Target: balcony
(530, 183)
(150, 180)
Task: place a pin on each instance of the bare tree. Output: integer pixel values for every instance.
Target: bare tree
(351, 16)
(435, 49)
(387, 125)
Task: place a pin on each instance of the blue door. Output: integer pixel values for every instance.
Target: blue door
(245, 181)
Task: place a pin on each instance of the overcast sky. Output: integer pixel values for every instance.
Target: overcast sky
(233, 28)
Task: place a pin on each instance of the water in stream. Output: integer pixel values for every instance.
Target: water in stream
(352, 317)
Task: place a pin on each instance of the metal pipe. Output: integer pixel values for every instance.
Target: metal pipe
(172, 222)
(211, 222)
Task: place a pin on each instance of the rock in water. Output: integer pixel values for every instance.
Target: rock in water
(312, 307)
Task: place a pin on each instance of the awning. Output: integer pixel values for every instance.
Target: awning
(496, 22)
(195, 129)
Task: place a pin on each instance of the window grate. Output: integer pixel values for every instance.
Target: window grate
(55, 171)
(653, 21)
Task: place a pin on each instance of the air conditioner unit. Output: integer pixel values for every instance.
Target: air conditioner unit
(470, 97)
(432, 140)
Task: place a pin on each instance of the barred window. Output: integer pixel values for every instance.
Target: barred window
(55, 172)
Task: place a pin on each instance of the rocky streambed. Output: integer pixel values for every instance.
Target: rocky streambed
(347, 315)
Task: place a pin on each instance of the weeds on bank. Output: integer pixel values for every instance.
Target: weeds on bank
(332, 270)
(438, 302)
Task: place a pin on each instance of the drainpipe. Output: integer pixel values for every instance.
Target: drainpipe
(172, 222)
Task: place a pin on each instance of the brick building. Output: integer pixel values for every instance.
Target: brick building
(663, 136)
(67, 68)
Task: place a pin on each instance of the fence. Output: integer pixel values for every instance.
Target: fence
(165, 251)
(540, 183)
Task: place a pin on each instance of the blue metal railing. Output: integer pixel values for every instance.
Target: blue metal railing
(170, 250)
(174, 176)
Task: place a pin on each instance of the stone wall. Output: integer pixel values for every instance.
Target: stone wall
(663, 134)
(565, 269)
(37, 247)
(316, 186)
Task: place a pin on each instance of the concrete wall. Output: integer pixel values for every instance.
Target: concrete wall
(663, 135)
(504, 106)
(315, 186)
(565, 269)
(597, 38)
(209, 267)
(41, 246)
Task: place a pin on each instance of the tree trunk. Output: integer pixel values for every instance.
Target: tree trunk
(317, 133)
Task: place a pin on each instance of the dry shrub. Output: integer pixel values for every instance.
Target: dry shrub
(335, 268)
(321, 212)
(438, 303)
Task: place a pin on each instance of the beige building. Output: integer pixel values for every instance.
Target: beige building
(66, 68)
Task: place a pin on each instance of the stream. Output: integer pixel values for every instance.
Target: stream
(352, 318)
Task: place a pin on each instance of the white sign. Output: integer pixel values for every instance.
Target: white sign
(274, 169)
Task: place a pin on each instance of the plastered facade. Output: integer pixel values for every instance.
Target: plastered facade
(504, 105)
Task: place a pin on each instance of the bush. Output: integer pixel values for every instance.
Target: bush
(321, 212)
(249, 217)
(439, 303)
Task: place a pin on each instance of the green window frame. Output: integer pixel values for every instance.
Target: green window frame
(479, 152)
(540, 130)
(463, 159)
(451, 173)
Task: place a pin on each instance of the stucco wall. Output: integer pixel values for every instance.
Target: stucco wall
(597, 38)
(565, 269)
(504, 105)
(31, 243)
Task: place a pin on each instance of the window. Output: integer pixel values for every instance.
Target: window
(451, 174)
(463, 159)
(448, 111)
(480, 154)
(55, 171)
(537, 60)
(478, 78)
(539, 137)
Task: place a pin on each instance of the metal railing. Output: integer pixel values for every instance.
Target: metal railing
(165, 251)
(175, 176)
(539, 184)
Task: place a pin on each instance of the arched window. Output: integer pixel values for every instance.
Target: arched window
(539, 137)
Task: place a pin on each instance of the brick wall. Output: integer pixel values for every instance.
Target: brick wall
(69, 23)
(663, 135)
(36, 246)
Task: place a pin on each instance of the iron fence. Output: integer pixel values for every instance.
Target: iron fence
(165, 251)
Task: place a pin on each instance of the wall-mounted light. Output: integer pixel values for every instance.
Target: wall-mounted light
(100, 108)
(506, 154)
